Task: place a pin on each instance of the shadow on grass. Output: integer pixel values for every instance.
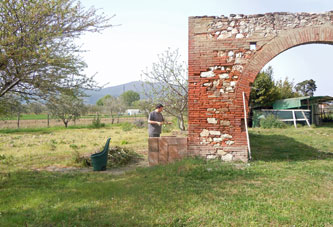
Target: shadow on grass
(326, 125)
(105, 200)
(283, 148)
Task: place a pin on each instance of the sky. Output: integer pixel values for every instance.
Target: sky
(145, 28)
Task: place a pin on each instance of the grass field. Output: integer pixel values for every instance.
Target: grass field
(289, 182)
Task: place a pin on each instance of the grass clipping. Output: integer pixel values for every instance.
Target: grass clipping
(117, 156)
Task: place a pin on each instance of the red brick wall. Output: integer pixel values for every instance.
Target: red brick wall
(222, 66)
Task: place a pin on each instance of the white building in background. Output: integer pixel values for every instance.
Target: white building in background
(132, 112)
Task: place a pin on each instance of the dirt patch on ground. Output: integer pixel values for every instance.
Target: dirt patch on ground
(112, 171)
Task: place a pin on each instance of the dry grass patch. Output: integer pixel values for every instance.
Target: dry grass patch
(59, 148)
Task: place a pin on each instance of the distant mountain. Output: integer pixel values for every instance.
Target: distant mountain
(116, 91)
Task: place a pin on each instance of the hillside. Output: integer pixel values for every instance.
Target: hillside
(114, 91)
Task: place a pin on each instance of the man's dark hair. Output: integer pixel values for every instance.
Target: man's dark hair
(159, 106)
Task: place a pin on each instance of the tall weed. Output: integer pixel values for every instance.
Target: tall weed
(271, 121)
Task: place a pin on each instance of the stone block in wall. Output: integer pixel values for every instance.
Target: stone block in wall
(153, 144)
(163, 150)
(173, 153)
(153, 158)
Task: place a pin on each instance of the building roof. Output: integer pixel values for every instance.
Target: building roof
(297, 102)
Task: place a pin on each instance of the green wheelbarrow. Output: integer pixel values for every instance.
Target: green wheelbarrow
(100, 159)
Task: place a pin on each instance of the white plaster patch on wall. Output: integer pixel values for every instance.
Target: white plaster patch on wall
(221, 152)
(211, 109)
(212, 120)
(224, 76)
(229, 142)
(215, 133)
(226, 136)
(207, 74)
(204, 133)
(237, 68)
(211, 156)
(231, 53)
(239, 36)
(227, 157)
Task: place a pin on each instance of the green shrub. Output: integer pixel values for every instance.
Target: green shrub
(126, 126)
(271, 121)
(6, 159)
(83, 160)
(123, 142)
(74, 146)
(2, 157)
(96, 123)
(139, 123)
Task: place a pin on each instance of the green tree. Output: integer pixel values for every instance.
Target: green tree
(166, 83)
(263, 91)
(112, 105)
(8, 104)
(35, 107)
(129, 97)
(101, 101)
(306, 87)
(66, 107)
(12, 105)
(145, 106)
(38, 53)
(285, 89)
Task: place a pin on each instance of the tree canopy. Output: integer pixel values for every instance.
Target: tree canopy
(129, 97)
(111, 105)
(265, 90)
(306, 87)
(167, 83)
(66, 107)
(38, 53)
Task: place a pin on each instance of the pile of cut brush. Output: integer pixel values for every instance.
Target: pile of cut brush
(117, 156)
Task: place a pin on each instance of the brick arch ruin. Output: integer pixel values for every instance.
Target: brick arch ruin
(225, 55)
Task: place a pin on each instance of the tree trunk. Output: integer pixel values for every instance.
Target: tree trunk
(112, 118)
(18, 119)
(66, 124)
(181, 123)
(48, 120)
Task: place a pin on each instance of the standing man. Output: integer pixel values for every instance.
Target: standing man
(155, 121)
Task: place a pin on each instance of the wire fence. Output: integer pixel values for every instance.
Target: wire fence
(4, 124)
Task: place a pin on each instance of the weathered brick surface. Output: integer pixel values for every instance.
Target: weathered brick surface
(223, 63)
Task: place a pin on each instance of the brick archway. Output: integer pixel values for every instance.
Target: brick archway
(225, 55)
(285, 41)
